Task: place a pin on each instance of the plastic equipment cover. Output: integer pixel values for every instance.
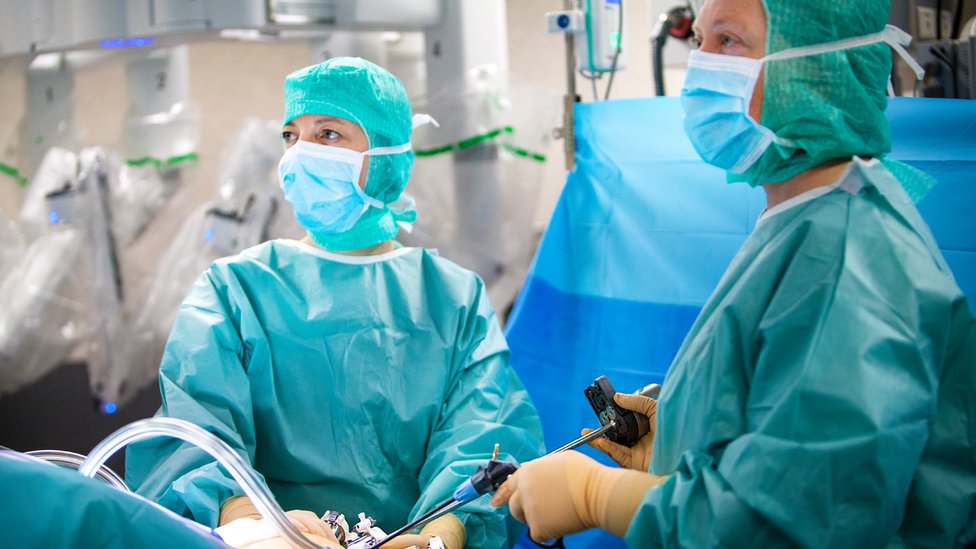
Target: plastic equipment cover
(247, 208)
(476, 176)
(41, 304)
(644, 230)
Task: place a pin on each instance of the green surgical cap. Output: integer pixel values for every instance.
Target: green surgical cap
(830, 105)
(364, 93)
(367, 94)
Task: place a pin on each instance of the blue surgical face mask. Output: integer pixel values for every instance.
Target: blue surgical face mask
(322, 185)
(718, 89)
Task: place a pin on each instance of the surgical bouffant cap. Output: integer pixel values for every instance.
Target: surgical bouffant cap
(830, 105)
(364, 93)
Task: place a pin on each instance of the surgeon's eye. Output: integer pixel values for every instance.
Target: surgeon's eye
(288, 137)
(329, 135)
(695, 42)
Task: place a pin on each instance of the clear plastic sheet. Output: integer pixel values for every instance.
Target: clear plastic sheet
(106, 364)
(42, 308)
(161, 137)
(476, 178)
(138, 194)
(13, 244)
(247, 209)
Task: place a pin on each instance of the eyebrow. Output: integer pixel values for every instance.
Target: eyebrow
(326, 119)
(724, 24)
(321, 119)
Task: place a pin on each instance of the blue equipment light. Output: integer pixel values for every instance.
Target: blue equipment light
(134, 42)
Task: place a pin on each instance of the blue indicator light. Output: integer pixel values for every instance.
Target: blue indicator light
(113, 43)
(134, 42)
(562, 21)
(109, 408)
(208, 235)
(53, 217)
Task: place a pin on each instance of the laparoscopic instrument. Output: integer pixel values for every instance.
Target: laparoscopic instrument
(616, 423)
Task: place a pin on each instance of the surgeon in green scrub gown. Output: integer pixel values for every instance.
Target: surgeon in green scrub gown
(826, 395)
(355, 374)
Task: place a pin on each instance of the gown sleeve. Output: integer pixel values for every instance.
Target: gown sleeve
(202, 380)
(486, 403)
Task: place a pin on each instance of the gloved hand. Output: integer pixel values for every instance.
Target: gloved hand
(637, 457)
(448, 527)
(565, 493)
(306, 521)
(237, 507)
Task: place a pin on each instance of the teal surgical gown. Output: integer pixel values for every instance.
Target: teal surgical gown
(358, 384)
(43, 505)
(825, 395)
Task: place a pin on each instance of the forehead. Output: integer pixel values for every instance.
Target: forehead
(740, 15)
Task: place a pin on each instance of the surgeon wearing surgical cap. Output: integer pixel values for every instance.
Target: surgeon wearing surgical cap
(353, 373)
(825, 396)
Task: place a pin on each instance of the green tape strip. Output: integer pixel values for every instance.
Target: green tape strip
(432, 152)
(481, 138)
(171, 161)
(14, 173)
(138, 162)
(524, 153)
(188, 157)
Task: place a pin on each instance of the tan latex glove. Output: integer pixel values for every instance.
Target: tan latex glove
(565, 493)
(637, 457)
(448, 527)
(307, 522)
(237, 507)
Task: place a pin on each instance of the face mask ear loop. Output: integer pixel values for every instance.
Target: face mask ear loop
(804, 51)
(907, 57)
(898, 39)
(891, 35)
(396, 149)
(422, 118)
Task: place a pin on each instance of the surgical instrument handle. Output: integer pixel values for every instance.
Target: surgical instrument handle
(643, 425)
(486, 479)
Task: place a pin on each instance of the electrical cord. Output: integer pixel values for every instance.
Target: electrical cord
(945, 57)
(957, 19)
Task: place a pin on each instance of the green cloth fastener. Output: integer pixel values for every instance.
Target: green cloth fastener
(171, 161)
(14, 173)
(481, 138)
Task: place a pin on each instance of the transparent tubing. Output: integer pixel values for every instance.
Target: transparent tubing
(72, 460)
(218, 449)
